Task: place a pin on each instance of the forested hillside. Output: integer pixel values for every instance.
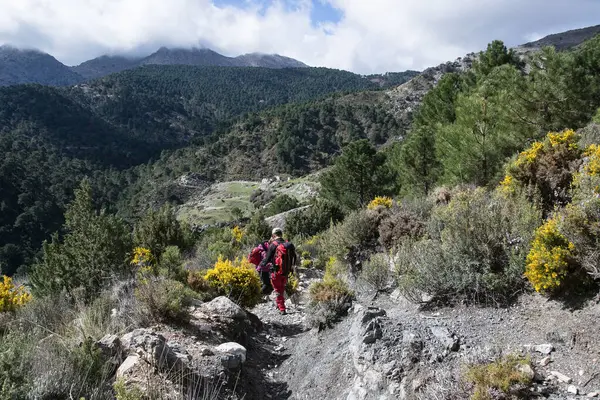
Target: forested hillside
(171, 104)
(52, 137)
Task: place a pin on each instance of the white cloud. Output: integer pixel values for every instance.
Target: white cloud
(372, 36)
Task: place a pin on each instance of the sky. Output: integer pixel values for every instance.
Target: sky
(363, 36)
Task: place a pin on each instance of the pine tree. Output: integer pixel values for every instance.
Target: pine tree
(358, 175)
(93, 251)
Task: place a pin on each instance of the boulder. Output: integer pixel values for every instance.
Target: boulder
(223, 307)
(233, 348)
(128, 365)
(234, 355)
(110, 347)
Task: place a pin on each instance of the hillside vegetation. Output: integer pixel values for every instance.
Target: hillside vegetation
(492, 194)
(57, 136)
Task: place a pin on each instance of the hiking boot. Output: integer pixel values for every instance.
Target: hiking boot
(282, 312)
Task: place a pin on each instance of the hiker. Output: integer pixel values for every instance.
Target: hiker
(256, 256)
(282, 258)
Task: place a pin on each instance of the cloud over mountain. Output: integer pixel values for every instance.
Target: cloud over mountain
(373, 36)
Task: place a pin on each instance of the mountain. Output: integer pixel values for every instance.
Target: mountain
(106, 65)
(268, 61)
(565, 40)
(171, 104)
(32, 66)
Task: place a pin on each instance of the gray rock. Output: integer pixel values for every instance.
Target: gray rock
(561, 377)
(526, 370)
(233, 348)
(372, 313)
(127, 365)
(593, 394)
(573, 389)
(546, 348)
(369, 337)
(110, 347)
(223, 307)
(231, 361)
(545, 361)
(450, 342)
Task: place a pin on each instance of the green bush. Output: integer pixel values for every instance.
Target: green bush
(160, 229)
(376, 272)
(476, 250)
(67, 365)
(313, 220)
(164, 300)
(258, 230)
(358, 232)
(282, 203)
(171, 264)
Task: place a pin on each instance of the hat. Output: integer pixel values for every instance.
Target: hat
(277, 232)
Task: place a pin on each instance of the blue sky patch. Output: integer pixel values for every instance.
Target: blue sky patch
(321, 10)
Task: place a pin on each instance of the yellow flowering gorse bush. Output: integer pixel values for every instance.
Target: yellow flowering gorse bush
(380, 201)
(142, 257)
(12, 297)
(549, 258)
(237, 233)
(236, 279)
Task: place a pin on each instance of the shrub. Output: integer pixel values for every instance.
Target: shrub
(237, 280)
(545, 170)
(476, 251)
(315, 219)
(260, 197)
(237, 234)
(171, 264)
(291, 287)
(380, 201)
(159, 229)
(165, 300)
(498, 379)
(331, 297)
(400, 225)
(257, 229)
(12, 297)
(376, 272)
(358, 232)
(123, 392)
(64, 364)
(282, 203)
(580, 224)
(550, 258)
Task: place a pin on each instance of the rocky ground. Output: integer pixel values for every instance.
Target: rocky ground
(386, 348)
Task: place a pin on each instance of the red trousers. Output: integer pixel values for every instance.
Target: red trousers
(279, 282)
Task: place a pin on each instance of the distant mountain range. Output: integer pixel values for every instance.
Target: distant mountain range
(19, 66)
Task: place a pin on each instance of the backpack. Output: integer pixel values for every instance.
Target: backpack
(257, 254)
(285, 258)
